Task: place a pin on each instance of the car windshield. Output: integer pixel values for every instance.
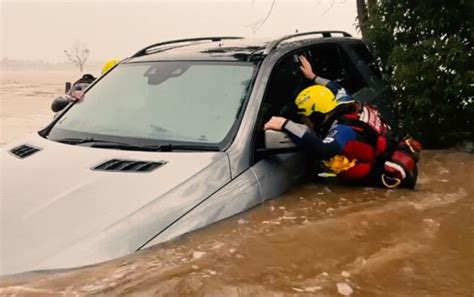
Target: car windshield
(161, 102)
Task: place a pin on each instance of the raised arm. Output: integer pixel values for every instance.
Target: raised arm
(308, 72)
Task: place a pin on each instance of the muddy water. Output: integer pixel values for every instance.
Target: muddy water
(25, 100)
(316, 240)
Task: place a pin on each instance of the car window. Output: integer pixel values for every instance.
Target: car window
(165, 101)
(363, 52)
(286, 81)
(331, 61)
(328, 60)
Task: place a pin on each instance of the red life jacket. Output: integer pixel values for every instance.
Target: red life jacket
(371, 141)
(399, 168)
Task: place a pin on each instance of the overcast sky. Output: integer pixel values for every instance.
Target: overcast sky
(41, 30)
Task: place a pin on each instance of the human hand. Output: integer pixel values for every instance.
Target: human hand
(77, 95)
(275, 123)
(306, 68)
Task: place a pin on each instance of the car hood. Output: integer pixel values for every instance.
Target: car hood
(58, 212)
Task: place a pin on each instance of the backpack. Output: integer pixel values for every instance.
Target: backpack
(396, 160)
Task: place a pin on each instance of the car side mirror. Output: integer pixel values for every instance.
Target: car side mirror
(277, 140)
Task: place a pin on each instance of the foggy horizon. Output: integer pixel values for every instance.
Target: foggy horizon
(41, 31)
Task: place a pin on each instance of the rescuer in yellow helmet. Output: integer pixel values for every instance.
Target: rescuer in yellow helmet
(351, 138)
(109, 64)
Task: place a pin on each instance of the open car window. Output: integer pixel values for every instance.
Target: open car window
(286, 82)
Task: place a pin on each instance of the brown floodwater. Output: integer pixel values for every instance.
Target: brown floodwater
(316, 240)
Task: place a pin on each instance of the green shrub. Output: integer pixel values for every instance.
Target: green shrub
(426, 51)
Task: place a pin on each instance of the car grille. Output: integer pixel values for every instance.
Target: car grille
(117, 165)
(24, 151)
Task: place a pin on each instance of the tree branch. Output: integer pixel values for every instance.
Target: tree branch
(257, 25)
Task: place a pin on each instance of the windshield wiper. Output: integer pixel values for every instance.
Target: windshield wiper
(109, 144)
(126, 146)
(188, 147)
(97, 143)
(75, 141)
(155, 148)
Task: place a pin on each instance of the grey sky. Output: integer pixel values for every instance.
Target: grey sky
(41, 30)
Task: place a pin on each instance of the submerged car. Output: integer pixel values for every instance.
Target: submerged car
(169, 141)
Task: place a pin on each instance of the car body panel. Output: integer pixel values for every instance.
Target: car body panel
(64, 204)
(240, 194)
(267, 179)
(277, 173)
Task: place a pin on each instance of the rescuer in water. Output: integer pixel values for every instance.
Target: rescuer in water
(351, 139)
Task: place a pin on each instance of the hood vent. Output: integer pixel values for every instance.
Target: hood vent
(116, 165)
(24, 151)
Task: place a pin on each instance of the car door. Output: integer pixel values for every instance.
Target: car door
(374, 88)
(276, 172)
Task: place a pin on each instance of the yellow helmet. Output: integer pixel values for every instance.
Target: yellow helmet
(315, 99)
(109, 65)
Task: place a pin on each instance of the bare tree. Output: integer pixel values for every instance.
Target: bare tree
(78, 54)
(365, 9)
(360, 3)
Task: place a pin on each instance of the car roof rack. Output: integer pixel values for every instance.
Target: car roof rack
(144, 51)
(274, 44)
